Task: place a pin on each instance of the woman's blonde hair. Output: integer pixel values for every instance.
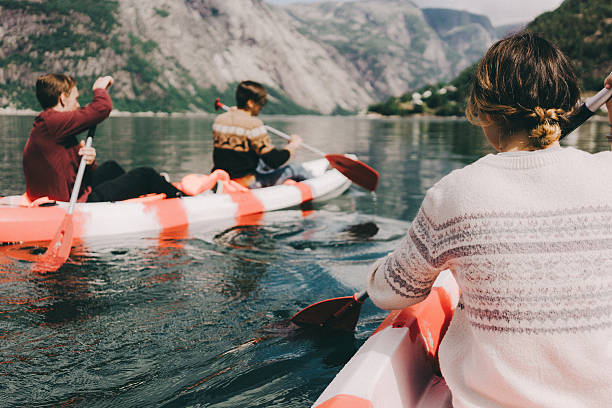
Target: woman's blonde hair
(525, 83)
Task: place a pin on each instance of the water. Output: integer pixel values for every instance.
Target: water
(200, 318)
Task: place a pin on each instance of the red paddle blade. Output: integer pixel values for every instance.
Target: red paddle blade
(358, 172)
(59, 248)
(218, 104)
(335, 314)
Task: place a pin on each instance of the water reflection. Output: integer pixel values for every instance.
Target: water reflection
(255, 251)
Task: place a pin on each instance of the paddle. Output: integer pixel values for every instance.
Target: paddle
(342, 313)
(355, 170)
(59, 248)
(339, 314)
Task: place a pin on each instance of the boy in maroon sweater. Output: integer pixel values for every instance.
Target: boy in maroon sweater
(51, 155)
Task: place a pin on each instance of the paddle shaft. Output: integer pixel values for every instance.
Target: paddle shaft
(80, 172)
(588, 109)
(287, 137)
(361, 296)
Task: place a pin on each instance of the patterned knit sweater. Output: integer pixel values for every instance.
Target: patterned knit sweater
(240, 140)
(528, 237)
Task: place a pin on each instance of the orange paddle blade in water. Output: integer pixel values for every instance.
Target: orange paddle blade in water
(358, 172)
(334, 314)
(59, 249)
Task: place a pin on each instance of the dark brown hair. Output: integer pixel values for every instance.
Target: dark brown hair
(526, 84)
(49, 88)
(250, 91)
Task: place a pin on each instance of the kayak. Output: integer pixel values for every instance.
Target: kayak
(397, 366)
(21, 224)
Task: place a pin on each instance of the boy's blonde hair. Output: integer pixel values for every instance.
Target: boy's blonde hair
(49, 88)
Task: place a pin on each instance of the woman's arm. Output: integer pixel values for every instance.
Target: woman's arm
(406, 275)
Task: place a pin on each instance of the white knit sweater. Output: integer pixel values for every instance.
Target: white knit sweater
(528, 237)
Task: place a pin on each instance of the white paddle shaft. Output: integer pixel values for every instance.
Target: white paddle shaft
(287, 137)
(597, 101)
(79, 177)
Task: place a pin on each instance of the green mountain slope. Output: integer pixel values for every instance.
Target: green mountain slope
(583, 30)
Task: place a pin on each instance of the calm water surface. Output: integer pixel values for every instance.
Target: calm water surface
(199, 318)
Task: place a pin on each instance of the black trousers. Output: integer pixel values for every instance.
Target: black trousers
(111, 183)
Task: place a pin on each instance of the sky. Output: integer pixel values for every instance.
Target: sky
(500, 12)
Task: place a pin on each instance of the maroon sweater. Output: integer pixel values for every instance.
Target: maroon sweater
(51, 155)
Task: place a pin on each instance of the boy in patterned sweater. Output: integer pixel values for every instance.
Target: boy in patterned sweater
(243, 148)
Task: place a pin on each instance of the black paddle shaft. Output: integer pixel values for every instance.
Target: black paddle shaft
(92, 131)
(585, 111)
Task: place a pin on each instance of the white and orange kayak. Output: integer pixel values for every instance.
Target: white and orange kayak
(397, 366)
(20, 224)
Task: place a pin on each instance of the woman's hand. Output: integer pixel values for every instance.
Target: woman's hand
(88, 152)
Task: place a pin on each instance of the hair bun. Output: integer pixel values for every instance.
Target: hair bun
(548, 129)
(547, 115)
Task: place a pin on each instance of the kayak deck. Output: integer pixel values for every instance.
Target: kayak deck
(397, 366)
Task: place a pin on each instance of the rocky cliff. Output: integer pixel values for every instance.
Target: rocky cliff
(172, 55)
(394, 45)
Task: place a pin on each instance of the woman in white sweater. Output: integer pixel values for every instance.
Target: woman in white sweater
(527, 233)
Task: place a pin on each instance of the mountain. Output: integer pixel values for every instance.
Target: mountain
(504, 30)
(394, 45)
(168, 55)
(467, 35)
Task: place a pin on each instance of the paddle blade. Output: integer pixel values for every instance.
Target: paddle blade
(334, 314)
(59, 248)
(358, 172)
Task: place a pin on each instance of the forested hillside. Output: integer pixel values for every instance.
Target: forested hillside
(583, 30)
